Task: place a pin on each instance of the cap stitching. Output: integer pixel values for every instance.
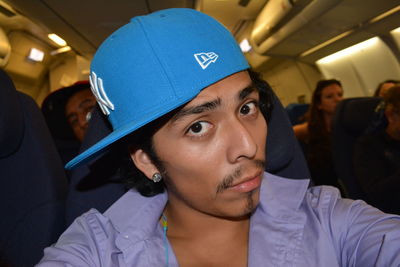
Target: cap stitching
(156, 55)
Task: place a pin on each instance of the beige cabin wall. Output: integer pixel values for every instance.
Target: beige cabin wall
(38, 79)
(292, 81)
(28, 76)
(67, 70)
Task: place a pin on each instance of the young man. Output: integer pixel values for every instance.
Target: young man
(178, 90)
(73, 103)
(67, 113)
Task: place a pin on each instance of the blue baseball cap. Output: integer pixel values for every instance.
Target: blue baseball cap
(155, 64)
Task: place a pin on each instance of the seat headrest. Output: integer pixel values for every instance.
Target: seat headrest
(280, 139)
(295, 111)
(11, 117)
(354, 114)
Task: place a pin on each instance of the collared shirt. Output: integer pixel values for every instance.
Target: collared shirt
(293, 225)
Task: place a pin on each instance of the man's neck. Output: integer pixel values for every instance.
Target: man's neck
(194, 228)
(206, 239)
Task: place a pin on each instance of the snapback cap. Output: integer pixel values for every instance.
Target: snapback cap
(155, 64)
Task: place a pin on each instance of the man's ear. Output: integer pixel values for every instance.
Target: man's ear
(143, 162)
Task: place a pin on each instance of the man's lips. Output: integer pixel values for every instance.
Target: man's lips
(248, 183)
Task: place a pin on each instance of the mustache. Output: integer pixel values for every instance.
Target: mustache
(237, 173)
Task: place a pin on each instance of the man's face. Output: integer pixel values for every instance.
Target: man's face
(76, 110)
(330, 97)
(213, 150)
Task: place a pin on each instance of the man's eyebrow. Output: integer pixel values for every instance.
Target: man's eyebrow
(247, 91)
(207, 106)
(210, 105)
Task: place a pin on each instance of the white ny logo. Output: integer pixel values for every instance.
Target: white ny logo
(98, 91)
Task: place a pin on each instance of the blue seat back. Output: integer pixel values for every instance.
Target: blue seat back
(353, 117)
(33, 184)
(296, 112)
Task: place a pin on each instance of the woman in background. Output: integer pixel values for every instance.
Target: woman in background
(315, 133)
(384, 86)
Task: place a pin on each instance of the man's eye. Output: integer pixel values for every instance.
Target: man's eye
(248, 108)
(199, 128)
(73, 123)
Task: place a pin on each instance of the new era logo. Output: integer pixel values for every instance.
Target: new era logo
(205, 59)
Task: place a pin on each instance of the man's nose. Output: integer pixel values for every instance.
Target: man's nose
(241, 142)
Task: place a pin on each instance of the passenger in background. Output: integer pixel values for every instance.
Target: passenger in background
(67, 112)
(377, 158)
(78, 111)
(384, 86)
(379, 122)
(314, 134)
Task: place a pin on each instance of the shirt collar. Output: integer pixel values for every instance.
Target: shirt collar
(280, 194)
(138, 216)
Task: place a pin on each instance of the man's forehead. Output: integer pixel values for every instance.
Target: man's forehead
(231, 85)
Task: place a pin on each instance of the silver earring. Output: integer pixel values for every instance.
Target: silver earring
(156, 177)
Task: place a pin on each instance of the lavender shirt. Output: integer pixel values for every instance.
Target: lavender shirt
(292, 226)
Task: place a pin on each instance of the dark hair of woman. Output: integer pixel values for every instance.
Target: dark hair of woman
(379, 87)
(315, 116)
(392, 98)
(142, 138)
(317, 144)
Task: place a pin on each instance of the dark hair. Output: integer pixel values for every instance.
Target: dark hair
(315, 116)
(392, 98)
(379, 87)
(318, 143)
(142, 138)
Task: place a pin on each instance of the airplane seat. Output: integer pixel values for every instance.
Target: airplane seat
(33, 184)
(296, 111)
(353, 117)
(284, 155)
(53, 110)
(97, 185)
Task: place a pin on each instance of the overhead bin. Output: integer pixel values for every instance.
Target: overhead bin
(273, 12)
(5, 48)
(281, 18)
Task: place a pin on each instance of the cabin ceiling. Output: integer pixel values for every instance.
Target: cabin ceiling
(85, 24)
(348, 15)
